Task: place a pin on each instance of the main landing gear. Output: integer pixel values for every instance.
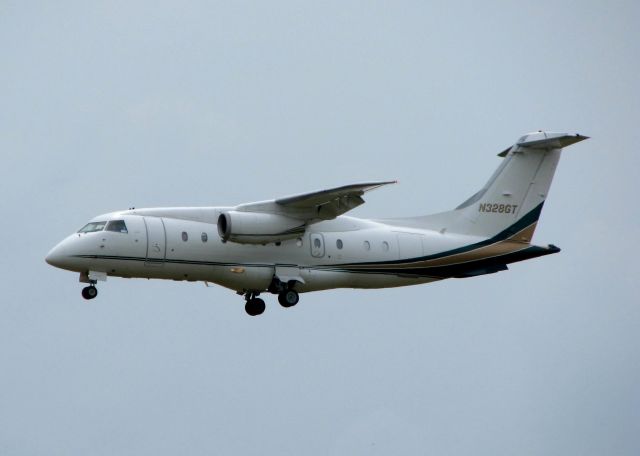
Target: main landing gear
(287, 297)
(254, 306)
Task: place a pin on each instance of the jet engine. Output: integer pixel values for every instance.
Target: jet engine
(258, 227)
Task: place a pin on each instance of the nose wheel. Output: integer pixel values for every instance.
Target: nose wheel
(89, 292)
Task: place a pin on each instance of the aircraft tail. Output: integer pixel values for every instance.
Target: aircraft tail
(510, 203)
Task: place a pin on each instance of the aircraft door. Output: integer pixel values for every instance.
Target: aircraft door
(317, 245)
(156, 240)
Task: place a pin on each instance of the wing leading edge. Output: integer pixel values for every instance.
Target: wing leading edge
(319, 205)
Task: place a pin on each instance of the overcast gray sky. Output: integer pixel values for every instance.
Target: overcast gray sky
(107, 105)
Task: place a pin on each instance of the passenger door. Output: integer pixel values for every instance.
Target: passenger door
(156, 241)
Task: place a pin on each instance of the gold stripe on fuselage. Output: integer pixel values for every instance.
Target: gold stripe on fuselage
(518, 241)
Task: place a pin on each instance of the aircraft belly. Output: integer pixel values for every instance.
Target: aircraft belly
(241, 278)
(319, 279)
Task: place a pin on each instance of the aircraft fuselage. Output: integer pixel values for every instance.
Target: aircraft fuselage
(172, 248)
(304, 243)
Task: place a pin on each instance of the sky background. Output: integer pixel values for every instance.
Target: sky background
(108, 105)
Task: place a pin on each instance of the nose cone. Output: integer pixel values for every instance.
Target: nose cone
(62, 255)
(56, 256)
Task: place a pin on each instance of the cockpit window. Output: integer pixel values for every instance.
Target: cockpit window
(117, 225)
(92, 226)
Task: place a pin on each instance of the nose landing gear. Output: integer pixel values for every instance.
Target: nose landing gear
(91, 277)
(89, 292)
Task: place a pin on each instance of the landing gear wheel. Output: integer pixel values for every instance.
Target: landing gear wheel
(89, 292)
(254, 306)
(288, 298)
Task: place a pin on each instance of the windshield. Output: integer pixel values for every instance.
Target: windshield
(117, 226)
(91, 227)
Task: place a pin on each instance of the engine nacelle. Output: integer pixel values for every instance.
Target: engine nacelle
(257, 227)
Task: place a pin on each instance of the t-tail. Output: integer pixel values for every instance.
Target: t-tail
(509, 205)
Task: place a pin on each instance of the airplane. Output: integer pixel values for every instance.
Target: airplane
(303, 243)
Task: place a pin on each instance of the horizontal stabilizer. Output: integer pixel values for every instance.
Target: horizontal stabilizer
(545, 140)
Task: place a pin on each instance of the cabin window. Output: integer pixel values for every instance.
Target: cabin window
(117, 225)
(204, 237)
(339, 244)
(385, 246)
(316, 243)
(366, 245)
(92, 226)
(185, 236)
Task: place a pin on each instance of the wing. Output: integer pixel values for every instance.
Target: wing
(315, 206)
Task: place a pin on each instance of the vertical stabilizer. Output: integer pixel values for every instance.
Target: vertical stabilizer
(511, 201)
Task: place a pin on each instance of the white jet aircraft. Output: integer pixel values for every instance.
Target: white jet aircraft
(304, 242)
